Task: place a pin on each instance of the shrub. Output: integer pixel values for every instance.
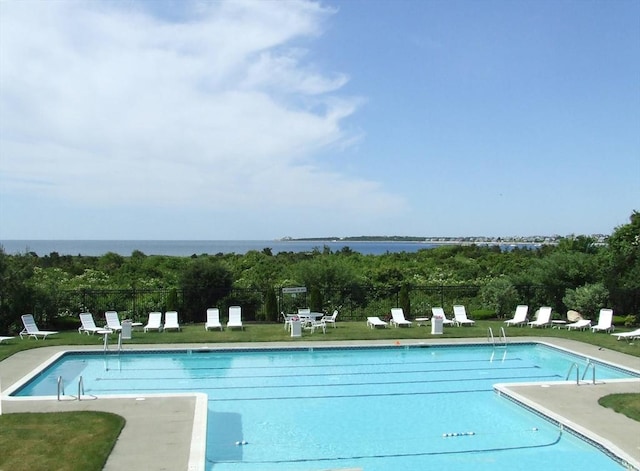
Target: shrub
(500, 295)
(63, 323)
(587, 299)
(482, 314)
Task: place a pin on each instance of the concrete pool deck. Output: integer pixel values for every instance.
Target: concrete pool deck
(167, 432)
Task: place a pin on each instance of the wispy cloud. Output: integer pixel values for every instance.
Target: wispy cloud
(220, 106)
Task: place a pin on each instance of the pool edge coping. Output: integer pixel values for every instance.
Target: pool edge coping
(197, 445)
(611, 449)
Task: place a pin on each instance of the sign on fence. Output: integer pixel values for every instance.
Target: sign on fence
(295, 290)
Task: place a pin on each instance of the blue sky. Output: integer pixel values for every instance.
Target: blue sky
(263, 119)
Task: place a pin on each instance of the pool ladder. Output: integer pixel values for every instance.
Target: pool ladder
(80, 395)
(105, 348)
(501, 338)
(590, 365)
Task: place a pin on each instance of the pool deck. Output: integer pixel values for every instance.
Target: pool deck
(167, 432)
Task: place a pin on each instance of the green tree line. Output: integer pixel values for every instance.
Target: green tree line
(575, 274)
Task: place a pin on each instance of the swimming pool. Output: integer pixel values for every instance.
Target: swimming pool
(373, 408)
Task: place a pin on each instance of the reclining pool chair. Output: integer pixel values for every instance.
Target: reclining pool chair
(88, 325)
(460, 316)
(235, 317)
(520, 316)
(213, 319)
(397, 317)
(31, 329)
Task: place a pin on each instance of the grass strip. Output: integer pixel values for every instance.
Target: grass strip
(627, 404)
(349, 330)
(69, 441)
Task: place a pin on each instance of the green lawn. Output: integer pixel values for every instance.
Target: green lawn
(69, 441)
(627, 404)
(344, 331)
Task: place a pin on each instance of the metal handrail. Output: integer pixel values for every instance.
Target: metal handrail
(593, 369)
(81, 391)
(60, 386)
(577, 367)
(490, 337)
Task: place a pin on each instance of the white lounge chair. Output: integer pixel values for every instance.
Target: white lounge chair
(154, 322)
(235, 317)
(439, 312)
(88, 325)
(581, 324)
(543, 319)
(213, 319)
(520, 316)
(31, 329)
(460, 316)
(605, 321)
(113, 321)
(171, 321)
(397, 317)
(2, 339)
(330, 319)
(375, 321)
(634, 334)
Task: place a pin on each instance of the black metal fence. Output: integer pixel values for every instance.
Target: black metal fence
(355, 303)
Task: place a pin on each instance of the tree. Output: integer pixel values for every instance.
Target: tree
(559, 271)
(404, 301)
(16, 292)
(315, 299)
(623, 279)
(204, 283)
(271, 306)
(580, 243)
(172, 300)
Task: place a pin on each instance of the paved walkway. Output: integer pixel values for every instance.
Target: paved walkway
(167, 432)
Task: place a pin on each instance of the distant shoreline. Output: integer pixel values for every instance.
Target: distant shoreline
(423, 240)
(537, 240)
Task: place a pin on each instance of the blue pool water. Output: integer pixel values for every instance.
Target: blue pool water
(374, 408)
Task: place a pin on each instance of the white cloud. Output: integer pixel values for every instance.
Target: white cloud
(220, 107)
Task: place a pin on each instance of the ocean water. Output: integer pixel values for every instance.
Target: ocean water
(186, 248)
